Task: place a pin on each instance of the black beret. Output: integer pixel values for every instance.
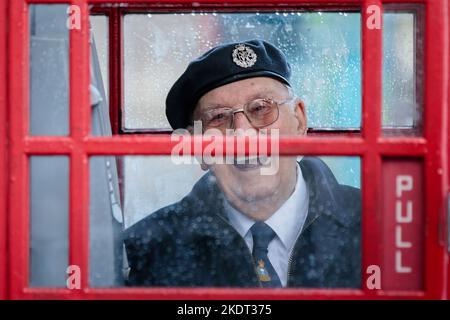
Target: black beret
(219, 66)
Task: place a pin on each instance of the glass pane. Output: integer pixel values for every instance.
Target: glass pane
(324, 50)
(49, 220)
(100, 31)
(401, 68)
(187, 227)
(49, 70)
(106, 248)
(170, 182)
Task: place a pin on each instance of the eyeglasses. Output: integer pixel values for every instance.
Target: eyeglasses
(260, 113)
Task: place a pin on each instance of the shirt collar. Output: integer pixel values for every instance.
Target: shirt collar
(287, 221)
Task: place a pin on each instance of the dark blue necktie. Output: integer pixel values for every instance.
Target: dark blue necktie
(262, 235)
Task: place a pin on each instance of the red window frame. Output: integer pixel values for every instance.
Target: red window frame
(16, 146)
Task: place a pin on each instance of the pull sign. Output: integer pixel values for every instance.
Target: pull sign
(403, 225)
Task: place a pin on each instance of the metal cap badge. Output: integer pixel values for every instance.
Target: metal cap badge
(244, 56)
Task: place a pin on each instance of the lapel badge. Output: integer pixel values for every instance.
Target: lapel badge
(261, 271)
(244, 56)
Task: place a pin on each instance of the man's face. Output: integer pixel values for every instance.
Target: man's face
(243, 185)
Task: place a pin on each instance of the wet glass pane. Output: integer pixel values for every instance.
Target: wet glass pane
(402, 224)
(49, 225)
(49, 70)
(100, 34)
(402, 71)
(324, 49)
(99, 88)
(187, 225)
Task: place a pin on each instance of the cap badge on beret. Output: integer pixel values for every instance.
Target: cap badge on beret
(244, 56)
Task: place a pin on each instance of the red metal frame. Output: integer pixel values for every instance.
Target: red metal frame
(371, 147)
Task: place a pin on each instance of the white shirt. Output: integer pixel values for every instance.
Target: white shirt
(287, 222)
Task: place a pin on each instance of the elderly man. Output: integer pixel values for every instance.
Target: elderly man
(238, 228)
